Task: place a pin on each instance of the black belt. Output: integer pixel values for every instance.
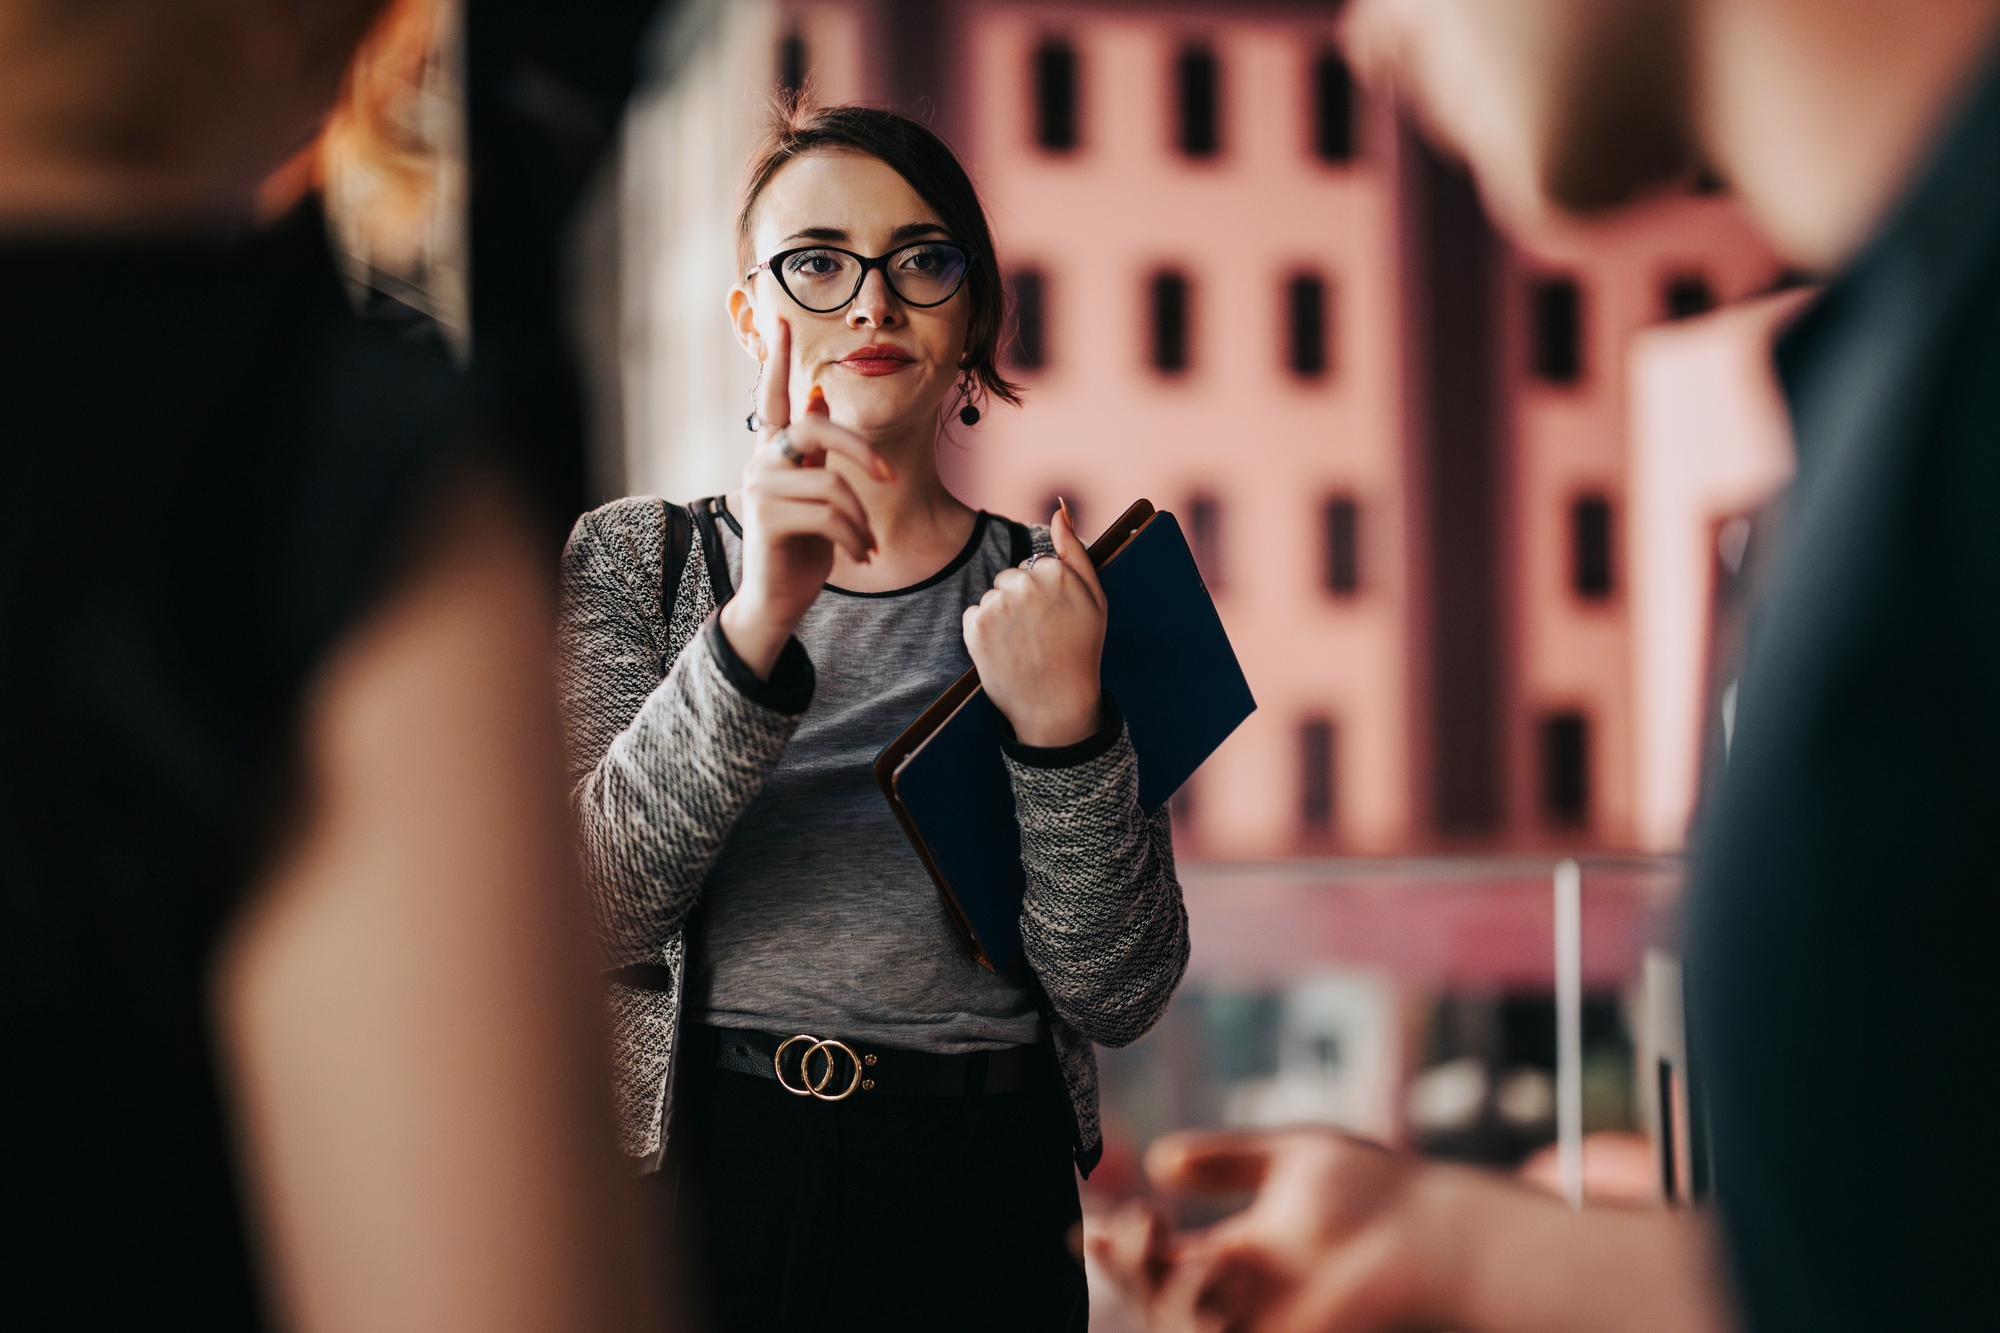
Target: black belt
(833, 1070)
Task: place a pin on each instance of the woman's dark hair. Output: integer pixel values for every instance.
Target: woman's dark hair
(919, 157)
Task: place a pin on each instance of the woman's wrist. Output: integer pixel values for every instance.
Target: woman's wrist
(1059, 724)
(754, 636)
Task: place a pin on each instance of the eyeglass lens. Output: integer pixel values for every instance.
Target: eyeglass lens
(923, 274)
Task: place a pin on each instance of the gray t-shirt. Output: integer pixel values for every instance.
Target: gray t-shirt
(818, 917)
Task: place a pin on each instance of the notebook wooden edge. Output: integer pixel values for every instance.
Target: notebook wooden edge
(894, 755)
(898, 752)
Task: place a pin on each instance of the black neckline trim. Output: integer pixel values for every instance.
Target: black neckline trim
(958, 562)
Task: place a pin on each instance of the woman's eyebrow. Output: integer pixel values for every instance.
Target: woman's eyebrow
(908, 231)
(818, 234)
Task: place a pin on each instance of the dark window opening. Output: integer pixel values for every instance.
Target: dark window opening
(1198, 85)
(1055, 96)
(1342, 522)
(1306, 325)
(792, 63)
(1316, 787)
(1566, 768)
(1688, 295)
(1457, 361)
(1026, 342)
(1557, 312)
(1333, 108)
(1170, 322)
(1205, 537)
(1590, 546)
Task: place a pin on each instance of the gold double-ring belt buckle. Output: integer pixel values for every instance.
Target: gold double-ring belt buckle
(816, 1087)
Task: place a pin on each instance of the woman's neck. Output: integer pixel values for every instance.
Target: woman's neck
(918, 524)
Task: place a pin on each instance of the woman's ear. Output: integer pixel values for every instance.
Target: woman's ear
(743, 318)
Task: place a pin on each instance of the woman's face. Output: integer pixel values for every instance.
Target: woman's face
(884, 366)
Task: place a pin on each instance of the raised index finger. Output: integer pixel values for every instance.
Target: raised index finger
(774, 403)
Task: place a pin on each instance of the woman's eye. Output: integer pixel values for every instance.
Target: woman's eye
(813, 264)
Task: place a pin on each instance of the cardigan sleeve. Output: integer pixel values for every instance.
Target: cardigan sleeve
(1102, 922)
(663, 758)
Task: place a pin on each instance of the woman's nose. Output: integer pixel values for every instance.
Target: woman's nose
(874, 306)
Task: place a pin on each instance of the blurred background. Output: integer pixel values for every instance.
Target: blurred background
(1475, 510)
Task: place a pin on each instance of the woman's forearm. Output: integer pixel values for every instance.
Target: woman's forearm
(655, 810)
(1102, 921)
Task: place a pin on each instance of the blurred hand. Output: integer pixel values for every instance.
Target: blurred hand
(1037, 637)
(794, 511)
(1327, 1246)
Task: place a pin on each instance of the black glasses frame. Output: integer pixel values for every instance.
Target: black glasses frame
(774, 266)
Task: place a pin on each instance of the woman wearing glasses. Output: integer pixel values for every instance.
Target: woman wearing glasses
(750, 882)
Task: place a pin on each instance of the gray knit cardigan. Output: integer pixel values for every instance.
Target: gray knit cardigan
(665, 753)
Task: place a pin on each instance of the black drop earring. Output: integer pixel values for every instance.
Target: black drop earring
(968, 414)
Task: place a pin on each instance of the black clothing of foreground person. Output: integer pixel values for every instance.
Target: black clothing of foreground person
(1844, 914)
(298, 1018)
(211, 468)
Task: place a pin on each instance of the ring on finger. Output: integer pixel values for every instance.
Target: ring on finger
(1029, 563)
(793, 454)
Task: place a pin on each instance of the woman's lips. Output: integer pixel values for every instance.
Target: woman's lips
(876, 360)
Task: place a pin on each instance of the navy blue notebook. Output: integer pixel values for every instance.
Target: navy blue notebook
(1168, 664)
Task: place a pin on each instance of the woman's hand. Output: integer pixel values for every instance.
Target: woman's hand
(794, 510)
(1037, 637)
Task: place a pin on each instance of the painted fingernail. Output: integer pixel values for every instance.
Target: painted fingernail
(1064, 506)
(816, 403)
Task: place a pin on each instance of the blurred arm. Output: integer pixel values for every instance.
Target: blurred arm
(1347, 1237)
(1529, 1262)
(409, 1005)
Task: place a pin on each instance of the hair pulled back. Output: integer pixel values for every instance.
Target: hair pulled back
(913, 152)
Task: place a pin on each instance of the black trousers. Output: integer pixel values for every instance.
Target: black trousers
(875, 1212)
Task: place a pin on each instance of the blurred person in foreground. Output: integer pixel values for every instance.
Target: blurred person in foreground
(1842, 914)
(297, 1008)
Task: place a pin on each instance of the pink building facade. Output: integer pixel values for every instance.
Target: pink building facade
(1247, 449)
(1403, 446)
(1380, 688)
